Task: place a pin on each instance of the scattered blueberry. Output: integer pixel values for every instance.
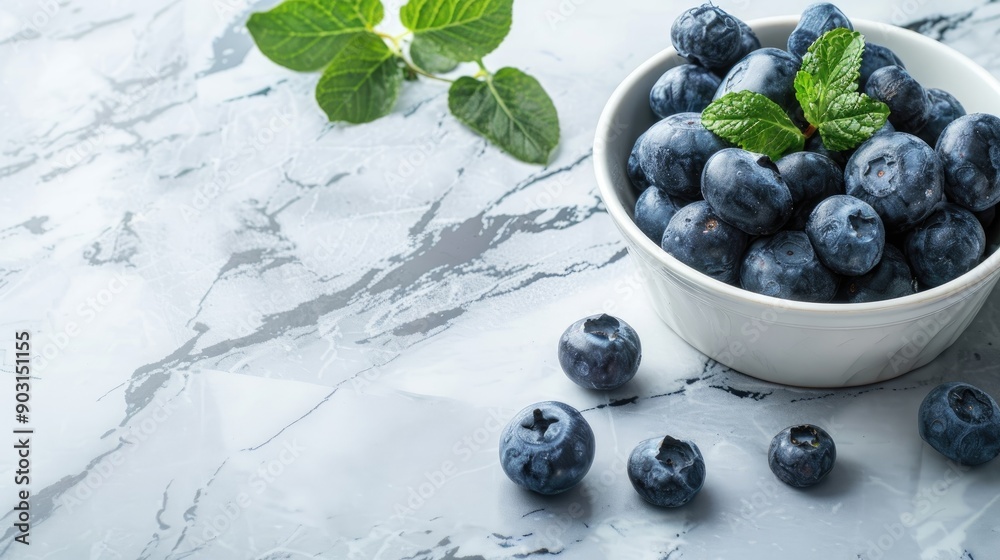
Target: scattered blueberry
(891, 278)
(816, 20)
(944, 109)
(673, 152)
(811, 177)
(600, 352)
(946, 245)
(961, 422)
(785, 266)
(769, 72)
(899, 175)
(745, 189)
(847, 235)
(653, 211)
(969, 149)
(687, 88)
(666, 472)
(801, 456)
(873, 58)
(708, 36)
(699, 238)
(909, 107)
(548, 447)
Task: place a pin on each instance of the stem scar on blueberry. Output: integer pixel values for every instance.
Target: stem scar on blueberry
(804, 435)
(539, 422)
(604, 326)
(667, 445)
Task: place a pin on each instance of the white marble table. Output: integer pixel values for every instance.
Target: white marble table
(257, 335)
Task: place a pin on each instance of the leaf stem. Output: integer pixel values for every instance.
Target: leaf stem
(424, 73)
(809, 131)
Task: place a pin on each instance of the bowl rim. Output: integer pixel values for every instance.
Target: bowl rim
(959, 287)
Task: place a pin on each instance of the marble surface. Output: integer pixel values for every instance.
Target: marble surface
(258, 335)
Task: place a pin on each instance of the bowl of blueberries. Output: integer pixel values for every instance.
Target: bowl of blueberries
(808, 199)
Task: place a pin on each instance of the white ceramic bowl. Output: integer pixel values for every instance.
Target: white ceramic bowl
(797, 343)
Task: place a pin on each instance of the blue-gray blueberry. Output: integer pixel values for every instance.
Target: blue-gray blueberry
(547, 448)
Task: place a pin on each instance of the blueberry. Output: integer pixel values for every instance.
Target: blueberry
(600, 352)
(961, 422)
(785, 266)
(811, 177)
(653, 211)
(750, 42)
(847, 235)
(899, 175)
(891, 278)
(875, 57)
(801, 456)
(683, 89)
(548, 447)
(909, 107)
(666, 472)
(708, 36)
(946, 245)
(816, 20)
(969, 149)
(699, 238)
(986, 217)
(815, 144)
(769, 72)
(745, 189)
(944, 109)
(632, 169)
(673, 152)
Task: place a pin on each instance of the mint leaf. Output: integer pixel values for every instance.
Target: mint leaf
(463, 30)
(429, 58)
(305, 35)
(510, 109)
(826, 87)
(829, 68)
(753, 122)
(362, 81)
(851, 119)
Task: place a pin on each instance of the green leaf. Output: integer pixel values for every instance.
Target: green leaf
(852, 119)
(305, 35)
(429, 58)
(463, 30)
(362, 81)
(753, 122)
(829, 68)
(510, 109)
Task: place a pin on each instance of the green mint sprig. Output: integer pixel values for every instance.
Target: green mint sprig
(364, 69)
(826, 88)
